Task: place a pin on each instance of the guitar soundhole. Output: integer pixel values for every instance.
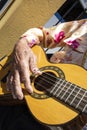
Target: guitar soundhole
(45, 81)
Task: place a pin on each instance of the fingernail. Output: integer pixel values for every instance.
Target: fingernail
(30, 90)
(36, 71)
(20, 97)
(14, 97)
(39, 72)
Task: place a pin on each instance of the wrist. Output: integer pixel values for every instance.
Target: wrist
(31, 41)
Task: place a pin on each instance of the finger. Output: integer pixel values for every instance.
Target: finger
(33, 65)
(21, 57)
(16, 86)
(9, 85)
(12, 91)
(25, 74)
(9, 82)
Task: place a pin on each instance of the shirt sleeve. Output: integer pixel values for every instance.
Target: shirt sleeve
(72, 34)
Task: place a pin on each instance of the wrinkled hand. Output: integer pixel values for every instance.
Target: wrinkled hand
(24, 61)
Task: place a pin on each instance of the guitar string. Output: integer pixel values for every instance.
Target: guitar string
(62, 80)
(80, 106)
(54, 82)
(65, 81)
(68, 92)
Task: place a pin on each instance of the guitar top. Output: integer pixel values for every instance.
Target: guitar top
(60, 92)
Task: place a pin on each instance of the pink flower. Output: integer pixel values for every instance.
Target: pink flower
(59, 36)
(73, 43)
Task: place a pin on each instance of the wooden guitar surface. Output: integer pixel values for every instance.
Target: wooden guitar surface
(43, 106)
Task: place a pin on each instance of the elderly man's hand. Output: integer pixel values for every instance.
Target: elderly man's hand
(24, 61)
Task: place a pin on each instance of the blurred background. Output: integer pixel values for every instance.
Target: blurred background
(17, 16)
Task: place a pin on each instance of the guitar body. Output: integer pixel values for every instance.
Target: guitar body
(43, 107)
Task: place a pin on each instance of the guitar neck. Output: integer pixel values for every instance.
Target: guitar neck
(70, 94)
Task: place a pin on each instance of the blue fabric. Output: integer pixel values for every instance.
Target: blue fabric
(85, 128)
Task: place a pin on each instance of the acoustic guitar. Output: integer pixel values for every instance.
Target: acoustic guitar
(60, 92)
